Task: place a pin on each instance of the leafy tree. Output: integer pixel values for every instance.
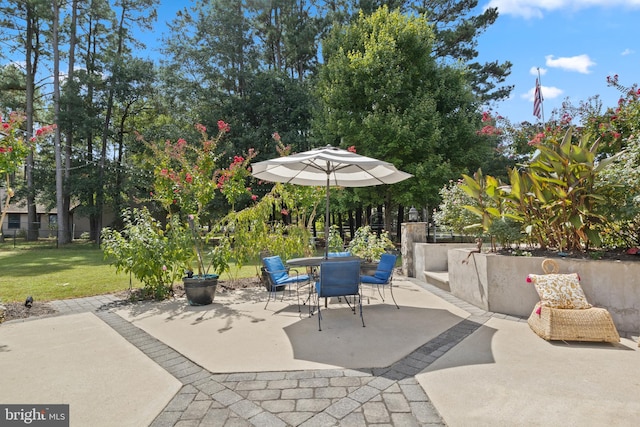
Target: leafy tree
(26, 22)
(619, 127)
(456, 29)
(289, 32)
(382, 92)
(456, 26)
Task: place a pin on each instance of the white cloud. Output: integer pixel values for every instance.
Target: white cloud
(548, 92)
(535, 8)
(579, 63)
(627, 51)
(534, 71)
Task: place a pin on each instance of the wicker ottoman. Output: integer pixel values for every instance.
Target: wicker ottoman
(589, 324)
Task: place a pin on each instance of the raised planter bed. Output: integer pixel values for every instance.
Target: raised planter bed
(497, 283)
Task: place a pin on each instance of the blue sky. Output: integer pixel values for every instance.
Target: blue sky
(576, 44)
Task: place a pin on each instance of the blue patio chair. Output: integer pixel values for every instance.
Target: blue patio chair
(339, 279)
(279, 277)
(383, 275)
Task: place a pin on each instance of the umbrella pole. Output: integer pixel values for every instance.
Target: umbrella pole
(326, 221)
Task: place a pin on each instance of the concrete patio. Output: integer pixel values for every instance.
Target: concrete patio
(436, 361)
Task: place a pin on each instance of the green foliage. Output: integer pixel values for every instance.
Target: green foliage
(382, 92)
(186, 181)
(13, 152)
(457, 26)
(553, 197)
(335, 242)
(156, 255)
(13, 147)
(368, 245)
(624, 171)
(506, 231)
(251, 230)
(452, 212)
(486, 192)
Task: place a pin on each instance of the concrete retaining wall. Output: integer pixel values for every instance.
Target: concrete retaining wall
(433, 256)
(498, 283)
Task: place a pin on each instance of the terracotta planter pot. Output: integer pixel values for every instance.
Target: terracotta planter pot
(200, 290)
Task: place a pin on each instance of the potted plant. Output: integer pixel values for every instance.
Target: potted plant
(186, 179)
(200, 289)
(369, 246)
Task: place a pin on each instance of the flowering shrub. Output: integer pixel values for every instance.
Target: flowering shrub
(13, 151)
(368, 245)
(624, 171)
(232, 181)
(186, 181)
(451, 212)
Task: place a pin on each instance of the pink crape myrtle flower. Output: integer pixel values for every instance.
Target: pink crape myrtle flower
(223, 126)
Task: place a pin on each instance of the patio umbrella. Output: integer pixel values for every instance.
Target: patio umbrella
(328, 166)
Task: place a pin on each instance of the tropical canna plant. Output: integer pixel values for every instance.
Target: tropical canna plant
(488, 194)
(553, 196)
(562, 176)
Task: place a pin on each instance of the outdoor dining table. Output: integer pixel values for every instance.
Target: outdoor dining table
(315, 261)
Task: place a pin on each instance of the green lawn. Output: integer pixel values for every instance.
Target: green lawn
(79, 270)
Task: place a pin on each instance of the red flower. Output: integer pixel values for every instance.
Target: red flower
(276, 136)
(201, 128)
(254, 197)
(352, 149)
(489, 130)
(223, 127)
(536, 139)
(284, 212)
(188, 178)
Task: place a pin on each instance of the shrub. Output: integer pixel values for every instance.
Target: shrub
(155, 254)
(368, 245)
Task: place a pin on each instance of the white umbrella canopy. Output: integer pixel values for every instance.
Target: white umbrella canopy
(328, 166)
